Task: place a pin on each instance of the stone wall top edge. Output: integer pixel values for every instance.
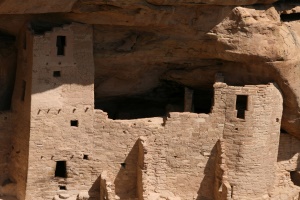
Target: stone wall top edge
(171, 116)
(152, 120)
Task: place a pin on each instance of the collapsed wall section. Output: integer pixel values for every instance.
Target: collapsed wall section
(287, 179)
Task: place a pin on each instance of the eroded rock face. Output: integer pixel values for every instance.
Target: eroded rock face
(35, 6)
(212, 2)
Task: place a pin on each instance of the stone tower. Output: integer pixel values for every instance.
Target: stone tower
(249, 146)
(57, 91)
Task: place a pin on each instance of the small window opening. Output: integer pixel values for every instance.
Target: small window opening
(231, 192)
(56, 74)
(241, 105)
(61, 169)
(295, 177)
(23, 90)
(85, 157)
(60, 44)
(123, 165)
(74, 123)
(62, 187)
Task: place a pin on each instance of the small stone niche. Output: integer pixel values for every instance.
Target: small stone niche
(85, 157)
(62, 187)
(74, 123)
(56, 74)
(123, 165)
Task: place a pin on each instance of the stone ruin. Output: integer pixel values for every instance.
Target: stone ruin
(56, 144)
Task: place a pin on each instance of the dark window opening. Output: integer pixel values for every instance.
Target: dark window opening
(56, 74)
(62, 187)
(74, 123)
(123, 165)
(241, 105)
(85, 157)
(290, 17)
(157, 102)
(295, 177)
(203, 101)
(282, 131)
(61, 169)
(23, 90)
(60, 44)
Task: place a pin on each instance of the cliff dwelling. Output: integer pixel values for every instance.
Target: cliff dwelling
(150, 100)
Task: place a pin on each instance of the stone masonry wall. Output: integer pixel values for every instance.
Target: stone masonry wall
(177, 163)
(61, 127)
(21, 102)
(181, 155)
(252, 143)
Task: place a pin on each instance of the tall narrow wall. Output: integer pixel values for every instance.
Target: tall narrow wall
(21, 102)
